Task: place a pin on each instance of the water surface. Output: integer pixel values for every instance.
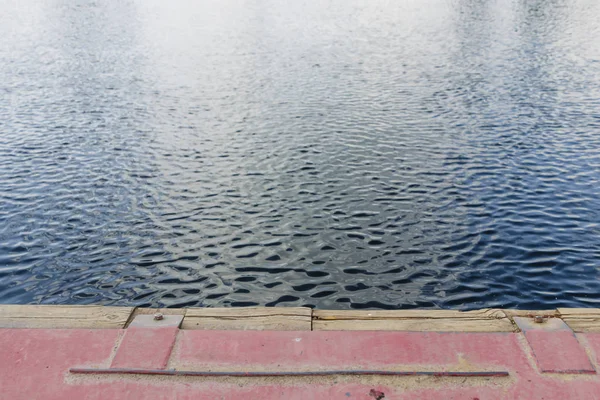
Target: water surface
(338, 154)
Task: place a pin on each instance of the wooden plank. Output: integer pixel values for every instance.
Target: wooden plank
(423, 325)
(249, 318)
(488, 313)
(292, 318)
(532, 313)
(581, 319)
(152, 311)
(163, 311)
(63, 317)
(486, 320)
(583, 325)
(579, 311)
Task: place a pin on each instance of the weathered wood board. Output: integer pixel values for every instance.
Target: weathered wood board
(532, 313)
(487, 320)
(249, 318)
(581, 319)
(56, 317)
(292, 318)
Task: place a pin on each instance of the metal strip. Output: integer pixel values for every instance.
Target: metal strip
(251, 374)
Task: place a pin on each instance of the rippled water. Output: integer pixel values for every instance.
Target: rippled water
(338, 154)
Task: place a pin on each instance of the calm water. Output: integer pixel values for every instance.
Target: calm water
(339, 154)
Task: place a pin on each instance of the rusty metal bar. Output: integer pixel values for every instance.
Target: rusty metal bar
(255, 374)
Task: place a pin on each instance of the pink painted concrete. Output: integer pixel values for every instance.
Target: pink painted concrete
(559, 352)
(555, 346)
(360, 348)
(145, 348)
(593, 341)
(34, 364)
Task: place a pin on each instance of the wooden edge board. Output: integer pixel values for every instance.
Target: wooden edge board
(63, 317)
(407, 314)
(532, 313)
(583, 325)
(274, 323)
(419, 325)
(150, 311)
(576, 312)
(251, 318)
(291, 318)
(581, 319)
(249, 312)
(485, 320)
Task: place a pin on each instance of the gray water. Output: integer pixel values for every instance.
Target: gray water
(337, 154)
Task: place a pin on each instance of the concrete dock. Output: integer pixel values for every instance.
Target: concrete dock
(94, 352)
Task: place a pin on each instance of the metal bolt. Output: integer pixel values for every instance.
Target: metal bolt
(158, 317)
(538, 319)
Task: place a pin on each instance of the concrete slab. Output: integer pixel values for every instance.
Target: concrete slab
(150, 360)
(148, 342)
(343, 349)
(555, 346)
(36, 363)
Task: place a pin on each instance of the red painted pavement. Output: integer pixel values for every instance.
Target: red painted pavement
(145, 348)
(344, 349)
(35, 363)
(555, 346)
(559, 352)
(593, 342)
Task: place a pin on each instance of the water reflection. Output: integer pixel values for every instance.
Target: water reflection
(347, 155)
